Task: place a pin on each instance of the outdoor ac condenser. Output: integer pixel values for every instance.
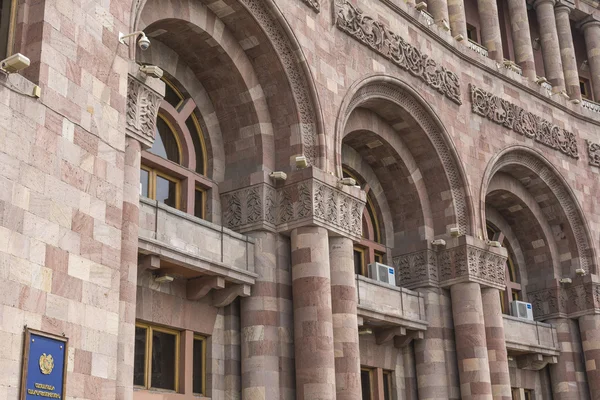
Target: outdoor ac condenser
(382, 273)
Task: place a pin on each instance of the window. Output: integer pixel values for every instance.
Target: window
(472, 33)
(366, 383)
(528, 394)
(8, 10)
(156, 357)
(512, 280)
(371, 248)
(174, 168)
(387, 385)
(199, 365)
(157, 185)
(584, 85)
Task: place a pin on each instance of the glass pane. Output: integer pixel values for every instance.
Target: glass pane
(198, 367)
(358, 260)
(199, 204)
(165, 144)
(387, 386)
(144, 178)
(195, 133)
(365, 383)
(5, 6)
(171, 96)
(163, 360)
(139, 357)
(166, 191)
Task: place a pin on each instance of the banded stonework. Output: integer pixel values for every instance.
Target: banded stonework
(566, 301)
(307, 201)
(523, 122)
(392, 46)
(142, 110)
(593, 153)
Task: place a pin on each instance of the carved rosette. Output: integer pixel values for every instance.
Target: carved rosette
(566, 301)
(417, 269)
(142, 109)
(593, 153)
(381, 39)
(523, 122)
(467, 263)
(307, 202)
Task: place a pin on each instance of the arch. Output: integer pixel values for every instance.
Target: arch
(306, 131)
(413, 106)
(563, 202)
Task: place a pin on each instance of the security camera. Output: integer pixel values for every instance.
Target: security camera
(143, 41)
(152, 71)
(14, 63)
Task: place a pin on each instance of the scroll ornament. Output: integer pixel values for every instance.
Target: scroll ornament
(593, 153)
(523, 122)
(380, 38)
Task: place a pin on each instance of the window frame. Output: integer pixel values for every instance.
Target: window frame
(203, 339)
(371, 372)
(153, 173)
(390, 385)
(148, 355)
(11, 29)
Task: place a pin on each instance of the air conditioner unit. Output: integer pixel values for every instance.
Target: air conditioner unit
(521, 309)
(382, 273)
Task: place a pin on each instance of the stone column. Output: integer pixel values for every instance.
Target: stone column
(260, 324)
(589, 326)
(471, 346)
(521, 37)
(458, 20)
(494, 337)
(564, 375)
(138, 134)
(439, 11)
(313, 326)
(550, 46)
(410, 380)
(430, 357)
(591, 32)
(490, 29)
(345, 322)
(567, 50)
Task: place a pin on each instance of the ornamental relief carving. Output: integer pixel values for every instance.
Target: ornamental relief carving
(392, 46)
(305, 202)
(593, 153)
(142, 109)
(570, 301)
(416, 269)
(523, 122)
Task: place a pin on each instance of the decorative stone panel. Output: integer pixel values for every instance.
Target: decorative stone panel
(471, 263)
(310, 199)
(392, 46)
(571, 300)
(417, 269)
(143, 103)
(593, 153)
(523, 122)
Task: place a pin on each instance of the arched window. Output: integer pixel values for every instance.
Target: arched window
(512, 278)
(174, 169)
(370, 249)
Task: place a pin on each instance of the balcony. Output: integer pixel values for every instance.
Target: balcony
(477, 48)
(391, 312)
(534, 344)
(590, 105)
(209, 256)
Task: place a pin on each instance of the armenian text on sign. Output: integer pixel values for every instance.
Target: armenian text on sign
(44, 366)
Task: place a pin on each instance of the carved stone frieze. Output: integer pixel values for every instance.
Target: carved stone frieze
(304, 202)
(392, 46)
(593, 153)
(142, 109)
(523, 122)
(416, 269)
(565, 301)
(472, 264)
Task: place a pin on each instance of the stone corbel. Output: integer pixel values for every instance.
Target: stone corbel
(149, 262)
(403, 341)
(197, 288)
(224, 297)
(400, 335)
(144, 95)
(535, 362)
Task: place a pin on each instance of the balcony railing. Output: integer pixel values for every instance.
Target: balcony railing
(590, 105)
(530, 337)
(477, 48)
(511, 65)
(428, 17)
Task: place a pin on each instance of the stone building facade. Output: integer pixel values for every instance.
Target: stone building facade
(209, 233)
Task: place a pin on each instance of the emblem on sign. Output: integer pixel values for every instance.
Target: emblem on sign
(46, 363)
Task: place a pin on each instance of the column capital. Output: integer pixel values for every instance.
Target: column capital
(537, 3)
(588, 22)
(567, 300)
(308, 197)
(144, 95)
(564, 6)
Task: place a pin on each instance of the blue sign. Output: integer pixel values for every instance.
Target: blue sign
(44, 366)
